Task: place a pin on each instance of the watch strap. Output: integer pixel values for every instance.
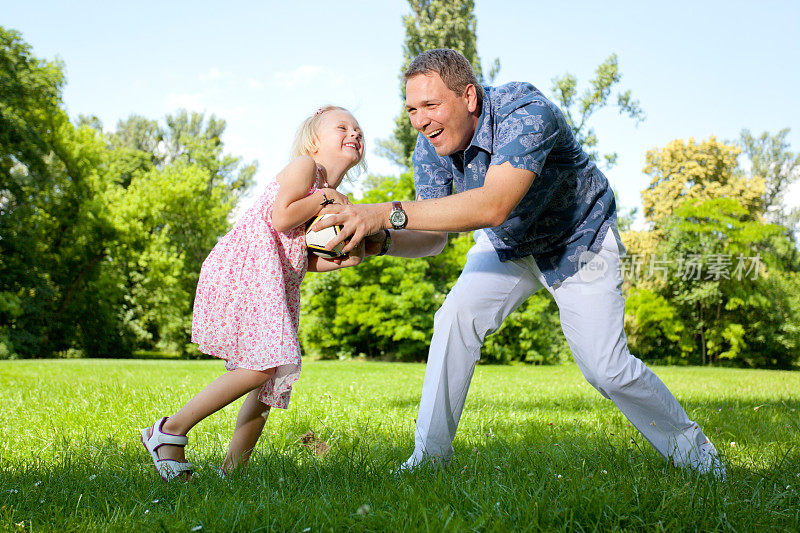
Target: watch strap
(386, 242)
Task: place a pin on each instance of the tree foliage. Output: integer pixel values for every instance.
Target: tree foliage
(54, 228)
(724, 309)
(691, 170)
(578, 110)
(771, 158)
(102, 235)
(729, 294)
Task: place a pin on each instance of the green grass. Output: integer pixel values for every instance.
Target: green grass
(537, 449)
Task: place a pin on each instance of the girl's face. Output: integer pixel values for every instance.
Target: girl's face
(339, 138)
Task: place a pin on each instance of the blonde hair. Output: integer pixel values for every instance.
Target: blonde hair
(307, 135)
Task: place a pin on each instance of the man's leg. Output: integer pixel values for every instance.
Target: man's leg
(592, 311)
(486, 292)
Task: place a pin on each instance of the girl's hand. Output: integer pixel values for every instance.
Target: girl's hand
(353, 258)
(324, 264)
(336, 196)
(357, 254)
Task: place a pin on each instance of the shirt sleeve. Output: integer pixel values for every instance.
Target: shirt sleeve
(526, 136)
(432, 177)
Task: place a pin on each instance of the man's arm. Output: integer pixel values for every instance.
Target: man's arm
(407, 243)
(487, 206)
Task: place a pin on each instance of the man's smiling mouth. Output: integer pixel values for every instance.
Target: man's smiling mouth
(434, 133)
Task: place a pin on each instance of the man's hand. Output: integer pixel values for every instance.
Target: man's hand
(357, 222)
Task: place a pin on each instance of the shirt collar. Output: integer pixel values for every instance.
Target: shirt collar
(482, 138)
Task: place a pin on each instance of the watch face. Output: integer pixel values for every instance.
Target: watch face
(397, 218)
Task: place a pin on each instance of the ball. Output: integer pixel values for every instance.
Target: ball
(316, 240)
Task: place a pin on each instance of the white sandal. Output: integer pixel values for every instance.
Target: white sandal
(168, 469)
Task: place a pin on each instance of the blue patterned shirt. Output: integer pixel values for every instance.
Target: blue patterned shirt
(570, 205)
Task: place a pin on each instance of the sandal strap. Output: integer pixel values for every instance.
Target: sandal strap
(167, 438)
(170, 469)
(174, 440)
(176, 466)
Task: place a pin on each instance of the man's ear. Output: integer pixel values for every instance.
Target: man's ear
(471, 98)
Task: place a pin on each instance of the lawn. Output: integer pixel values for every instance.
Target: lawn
(537, 449)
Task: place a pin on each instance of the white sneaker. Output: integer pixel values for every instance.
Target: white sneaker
(709, 462)
(415, 463)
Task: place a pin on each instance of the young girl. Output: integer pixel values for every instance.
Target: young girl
(248, 296)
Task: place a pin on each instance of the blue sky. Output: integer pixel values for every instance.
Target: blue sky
(698, 69)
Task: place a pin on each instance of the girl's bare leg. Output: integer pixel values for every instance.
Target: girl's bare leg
(249, 425)
(222, 391)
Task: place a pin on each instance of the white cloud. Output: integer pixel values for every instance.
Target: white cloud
(208, 102)
(254, 83)
(306, 75)
(213, 74)
(189, 101)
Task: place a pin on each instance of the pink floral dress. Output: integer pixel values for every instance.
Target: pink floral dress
(248, 299)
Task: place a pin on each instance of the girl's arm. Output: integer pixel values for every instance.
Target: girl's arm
(292, 207)
(322, 264)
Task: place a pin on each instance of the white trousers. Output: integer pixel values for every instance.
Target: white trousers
(592, 312)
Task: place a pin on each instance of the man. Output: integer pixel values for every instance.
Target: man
(504, 158)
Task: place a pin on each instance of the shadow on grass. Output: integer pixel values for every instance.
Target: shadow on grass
(754, 431)
(581, 402)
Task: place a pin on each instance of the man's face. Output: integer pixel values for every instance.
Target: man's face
(447, 119)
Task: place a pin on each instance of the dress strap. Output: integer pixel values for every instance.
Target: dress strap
(320, 178)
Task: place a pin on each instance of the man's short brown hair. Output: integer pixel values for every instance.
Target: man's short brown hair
(454, 69)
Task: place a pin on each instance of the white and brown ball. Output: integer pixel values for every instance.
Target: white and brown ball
(316, 240)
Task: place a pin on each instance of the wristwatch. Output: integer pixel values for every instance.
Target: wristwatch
(387, 241)
(398, 217)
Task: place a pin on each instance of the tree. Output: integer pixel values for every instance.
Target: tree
(655, 328)
(432, 24)
(579, 110)
(30, 112)
(30, 98)
(686, 170)
(691, 170)
(102, 235)
(716, 282)
(771, 159)
(707, 227)
(54, 228)
(166, 219)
